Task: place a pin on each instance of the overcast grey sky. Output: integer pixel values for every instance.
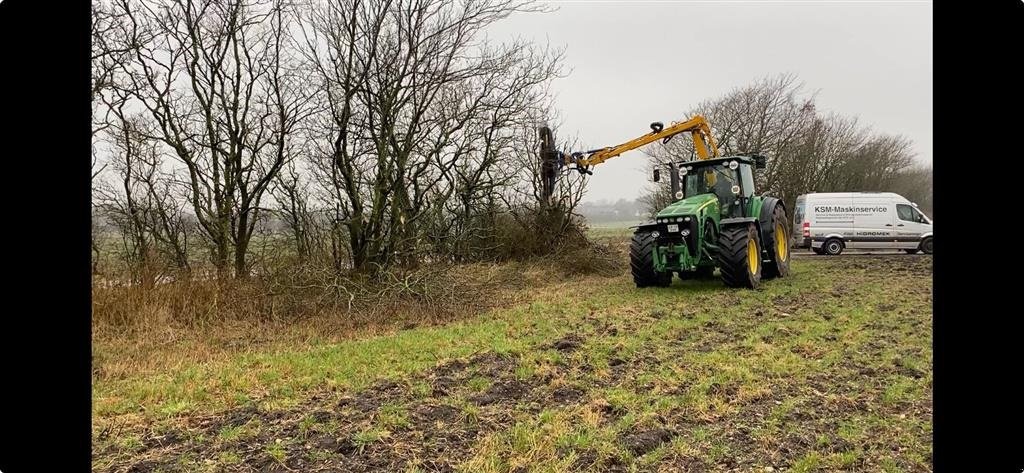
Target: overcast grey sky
(633, 63)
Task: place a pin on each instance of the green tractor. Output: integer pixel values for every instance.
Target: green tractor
(716, 219)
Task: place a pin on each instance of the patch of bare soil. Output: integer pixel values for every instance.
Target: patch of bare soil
(348, 432)
(639, 443)
(390, 426)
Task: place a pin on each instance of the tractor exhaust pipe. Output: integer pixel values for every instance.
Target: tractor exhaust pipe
(673, 176)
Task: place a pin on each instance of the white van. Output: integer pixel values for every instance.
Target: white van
(831, 221)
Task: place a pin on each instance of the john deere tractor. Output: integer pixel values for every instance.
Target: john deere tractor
(716, 218)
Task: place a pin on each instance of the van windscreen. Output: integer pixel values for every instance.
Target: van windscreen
(798, 214)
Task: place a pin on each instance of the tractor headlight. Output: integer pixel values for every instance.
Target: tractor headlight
(682, 172)
(735, 190)
(733, 165)
(679, 219)
(679, 194)
(655, 234)
(685, 233)
(686, 219)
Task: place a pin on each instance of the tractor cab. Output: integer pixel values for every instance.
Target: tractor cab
(729, 179)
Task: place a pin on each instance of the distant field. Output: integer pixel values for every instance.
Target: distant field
(612, 229)
(822, 371)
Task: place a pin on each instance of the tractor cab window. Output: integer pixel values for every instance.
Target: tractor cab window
(747, 175)
(716, 179)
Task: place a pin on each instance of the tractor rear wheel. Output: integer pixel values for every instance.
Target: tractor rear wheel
(777, 238)
(641, 262)
(739, 256)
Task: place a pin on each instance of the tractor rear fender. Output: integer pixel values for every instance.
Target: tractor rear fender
(767, 207)
(725, 222)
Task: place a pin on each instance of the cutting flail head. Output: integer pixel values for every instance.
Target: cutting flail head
(550, 162)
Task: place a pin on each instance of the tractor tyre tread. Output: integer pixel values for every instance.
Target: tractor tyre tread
(732, 256)
(773, 267)
(641, 262)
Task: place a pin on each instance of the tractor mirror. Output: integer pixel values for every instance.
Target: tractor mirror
(760, 162)
(657, 175)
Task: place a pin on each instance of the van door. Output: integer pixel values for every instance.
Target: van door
(908, 226)
(829, 217)
(873, 224)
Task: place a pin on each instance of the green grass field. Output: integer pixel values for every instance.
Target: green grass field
(827, 370)
(603, 230)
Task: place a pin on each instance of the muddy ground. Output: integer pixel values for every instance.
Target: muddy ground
(437, 420)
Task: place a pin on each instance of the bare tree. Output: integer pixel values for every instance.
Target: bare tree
(128, 205)
(915, 183)
(226, 97)
(806, 151)
(410, 127)
(290, 190)
(419, 110)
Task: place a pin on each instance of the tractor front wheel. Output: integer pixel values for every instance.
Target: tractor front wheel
(739, 256)
(641, 262)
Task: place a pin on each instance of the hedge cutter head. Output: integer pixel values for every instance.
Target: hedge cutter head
(551, 161)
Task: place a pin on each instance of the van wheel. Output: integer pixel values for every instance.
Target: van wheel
(832, 246)
(926, 246)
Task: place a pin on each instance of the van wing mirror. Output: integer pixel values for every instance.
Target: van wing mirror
(760, 162)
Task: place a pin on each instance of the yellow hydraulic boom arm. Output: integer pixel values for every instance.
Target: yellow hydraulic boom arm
(553, 160)
(697, 126)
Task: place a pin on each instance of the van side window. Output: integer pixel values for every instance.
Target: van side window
(905, 212)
